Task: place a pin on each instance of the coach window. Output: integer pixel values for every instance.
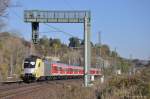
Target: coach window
(66, 69)
(71, 69)
(97, 72)
(59, 68)
(55, 68)
(76, 70)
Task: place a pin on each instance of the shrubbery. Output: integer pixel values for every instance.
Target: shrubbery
(131, 87)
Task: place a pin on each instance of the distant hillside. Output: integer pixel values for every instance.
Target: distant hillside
(14, 49)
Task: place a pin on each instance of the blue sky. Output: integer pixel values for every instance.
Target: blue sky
(124, 24)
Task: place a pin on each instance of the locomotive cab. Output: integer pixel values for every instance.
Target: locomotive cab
(32, 68)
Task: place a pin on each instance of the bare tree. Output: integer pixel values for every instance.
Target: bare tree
(3, 6)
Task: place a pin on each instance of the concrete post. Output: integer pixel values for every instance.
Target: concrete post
(87, 52)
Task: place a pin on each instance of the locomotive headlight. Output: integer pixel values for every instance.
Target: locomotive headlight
(32, 63)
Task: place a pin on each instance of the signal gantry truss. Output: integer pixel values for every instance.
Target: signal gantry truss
(36, 16)
(56, 16)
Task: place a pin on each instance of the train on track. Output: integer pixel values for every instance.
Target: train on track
(36, 68)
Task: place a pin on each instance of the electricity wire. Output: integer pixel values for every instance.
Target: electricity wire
(58, 29)
(55, 28)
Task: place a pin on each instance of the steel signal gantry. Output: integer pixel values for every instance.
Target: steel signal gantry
(35, 17)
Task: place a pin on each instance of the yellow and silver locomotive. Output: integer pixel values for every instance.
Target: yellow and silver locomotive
(33, 67)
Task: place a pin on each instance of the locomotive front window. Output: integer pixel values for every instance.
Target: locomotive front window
(28, 64)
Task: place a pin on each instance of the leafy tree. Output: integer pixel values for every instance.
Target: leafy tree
(114, 54)
(43, 46)
(122, 64)
(105, 51)
(74, 42)
(82, 43)
(48, 46)
(44, 41)
(56, 43)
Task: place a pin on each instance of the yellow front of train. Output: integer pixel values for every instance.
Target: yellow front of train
(33, 68)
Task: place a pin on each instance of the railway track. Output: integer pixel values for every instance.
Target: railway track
(18, 91)
(13, 90)
(8, 86)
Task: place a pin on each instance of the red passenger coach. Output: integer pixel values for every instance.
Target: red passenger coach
(63, 69)
(60, 69)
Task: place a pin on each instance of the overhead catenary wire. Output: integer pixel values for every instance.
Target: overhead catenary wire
(45, 32)
(12, 6)
(55, 28)
(18, 17)
(66, 33)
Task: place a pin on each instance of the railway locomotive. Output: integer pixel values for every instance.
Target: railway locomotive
(36, 68)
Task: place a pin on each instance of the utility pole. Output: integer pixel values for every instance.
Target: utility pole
(98, 52)
(11, 65)
(115, 61)
(87, 52)
(132, 65)
(99, 41)
(101, 65)
(99, 45)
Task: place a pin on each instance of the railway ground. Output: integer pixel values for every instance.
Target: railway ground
(73, 89)
(57, 89)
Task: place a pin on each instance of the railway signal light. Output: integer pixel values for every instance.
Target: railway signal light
(35, 37)
(35, 32)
